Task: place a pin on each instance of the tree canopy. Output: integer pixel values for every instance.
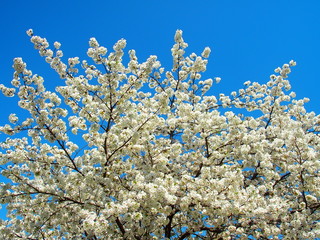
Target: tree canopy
(129, 150)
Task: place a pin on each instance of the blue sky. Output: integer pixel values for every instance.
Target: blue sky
(248, 38)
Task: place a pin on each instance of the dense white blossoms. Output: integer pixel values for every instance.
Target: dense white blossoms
(131, 151)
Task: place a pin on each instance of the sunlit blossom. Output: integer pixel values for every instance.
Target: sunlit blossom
(130, 150)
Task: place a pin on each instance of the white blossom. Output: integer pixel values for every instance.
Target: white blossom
(206, 52)
(218, 79)
(57, 45)
(30, 32)
(156, 156)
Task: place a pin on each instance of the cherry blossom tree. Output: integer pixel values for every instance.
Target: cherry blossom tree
(133, 151)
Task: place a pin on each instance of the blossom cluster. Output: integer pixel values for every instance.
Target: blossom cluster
(134, 151)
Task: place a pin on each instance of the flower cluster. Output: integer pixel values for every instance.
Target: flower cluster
(131, 151)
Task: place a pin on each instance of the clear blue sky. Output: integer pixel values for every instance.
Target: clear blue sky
(248, 38)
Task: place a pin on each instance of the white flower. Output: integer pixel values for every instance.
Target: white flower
(154, 153)
(18, 65)
(93, 42)
(178, 36)
(30, 32)
(206, 52)
(13, 118)
(292, 63)
(57, 45)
